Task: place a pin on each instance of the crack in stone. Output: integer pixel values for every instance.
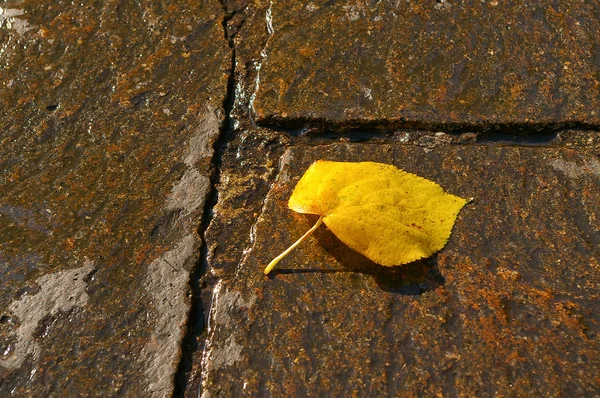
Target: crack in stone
(168, 277)
(298, 126)
(197, 321)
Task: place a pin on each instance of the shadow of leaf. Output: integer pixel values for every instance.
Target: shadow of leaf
(410, 279)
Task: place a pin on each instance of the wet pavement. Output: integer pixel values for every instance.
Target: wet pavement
(131, 133)
(109, 116)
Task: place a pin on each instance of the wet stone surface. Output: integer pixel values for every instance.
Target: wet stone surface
(116, 116)
(109, 115)
(248, 168)
(425, 63)
(507, 308)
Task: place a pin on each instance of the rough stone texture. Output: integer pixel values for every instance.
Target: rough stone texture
(109, 115)
(508, 308)
(425, 63)
(60, 291)
(248, 168)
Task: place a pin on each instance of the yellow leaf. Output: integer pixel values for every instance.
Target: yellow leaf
(388, 215)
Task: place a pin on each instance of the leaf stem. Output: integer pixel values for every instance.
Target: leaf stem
(274, 262)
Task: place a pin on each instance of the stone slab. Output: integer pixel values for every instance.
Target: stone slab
(507, 308)
(425, 63)
(109, 116)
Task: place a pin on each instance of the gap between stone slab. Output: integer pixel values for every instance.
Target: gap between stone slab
(229, 15)
(198, 311)
(361, 130)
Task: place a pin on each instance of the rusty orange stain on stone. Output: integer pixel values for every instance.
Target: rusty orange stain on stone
(307, 51)
(70, 243)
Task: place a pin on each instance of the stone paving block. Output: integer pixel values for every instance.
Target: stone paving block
(109, 116)
(424, 63)
(508, 307)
